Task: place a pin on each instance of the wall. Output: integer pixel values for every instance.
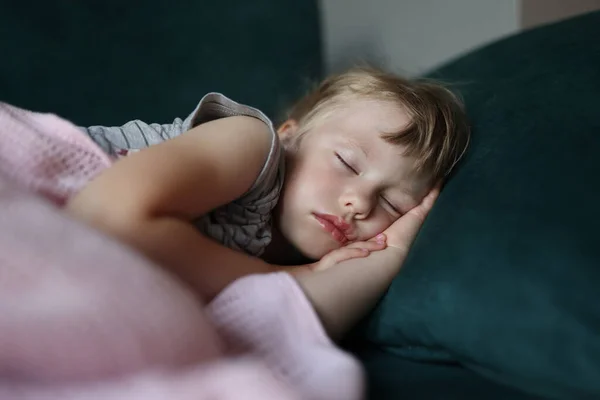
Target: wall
(537, 12)
(413, 36)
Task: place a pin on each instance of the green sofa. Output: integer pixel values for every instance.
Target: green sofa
(503, 282)
(106, 62)
(499, 298)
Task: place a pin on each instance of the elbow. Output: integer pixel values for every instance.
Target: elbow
(107, 217)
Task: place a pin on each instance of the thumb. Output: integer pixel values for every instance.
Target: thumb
(427, 203)
(403, 232)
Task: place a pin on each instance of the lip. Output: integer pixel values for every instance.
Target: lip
(337, 227)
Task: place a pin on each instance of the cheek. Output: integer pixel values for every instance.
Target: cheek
(312, 180)
(376, 225)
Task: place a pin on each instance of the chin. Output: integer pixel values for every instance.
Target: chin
(315, 252)
(308, 242)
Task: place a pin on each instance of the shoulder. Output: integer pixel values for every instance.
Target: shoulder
(256, 135)
(217, 106)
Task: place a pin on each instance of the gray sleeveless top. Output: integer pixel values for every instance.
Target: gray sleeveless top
(245, 223)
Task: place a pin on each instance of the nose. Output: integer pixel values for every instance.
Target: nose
(359, 202)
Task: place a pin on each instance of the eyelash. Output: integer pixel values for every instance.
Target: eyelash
(391, 206)
(348, 166)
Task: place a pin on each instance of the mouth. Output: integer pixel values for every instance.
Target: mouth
(336, 228)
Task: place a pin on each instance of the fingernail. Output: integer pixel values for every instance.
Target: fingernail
(380, 238)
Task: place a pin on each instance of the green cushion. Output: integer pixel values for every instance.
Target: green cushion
(505, 275)
(107, 62)
(394, 378)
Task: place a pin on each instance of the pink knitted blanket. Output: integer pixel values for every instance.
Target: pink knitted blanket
(83, 317)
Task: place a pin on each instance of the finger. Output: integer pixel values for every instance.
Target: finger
(432, 196)
(379, 238)
(337, 256)
(402, 233)
(346, 254)
(427, 203)
(368, 245)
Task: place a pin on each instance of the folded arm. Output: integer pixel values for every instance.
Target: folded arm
(148, 199)
(346, 292)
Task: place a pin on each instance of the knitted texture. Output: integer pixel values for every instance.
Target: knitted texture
(47, 154)
(84, 317)
(270, 317)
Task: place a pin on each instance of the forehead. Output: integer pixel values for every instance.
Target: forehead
(359, 126)
(368, 117)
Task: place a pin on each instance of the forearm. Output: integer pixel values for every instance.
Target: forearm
(202, 263)
(177, 246)
(344, 293)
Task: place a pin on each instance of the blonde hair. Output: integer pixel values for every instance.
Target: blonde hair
(437, 135)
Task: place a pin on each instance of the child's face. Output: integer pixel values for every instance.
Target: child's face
(343, 170)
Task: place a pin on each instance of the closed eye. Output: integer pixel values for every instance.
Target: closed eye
(349, 167)
(346, 164)
(391, 206)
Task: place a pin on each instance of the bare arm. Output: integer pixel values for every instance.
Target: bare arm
(346, 292)
(202, 263)
(148, 199)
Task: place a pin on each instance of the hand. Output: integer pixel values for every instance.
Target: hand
(402, 233)
(352, 250)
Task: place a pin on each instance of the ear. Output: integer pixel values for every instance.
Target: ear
(287, 130)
